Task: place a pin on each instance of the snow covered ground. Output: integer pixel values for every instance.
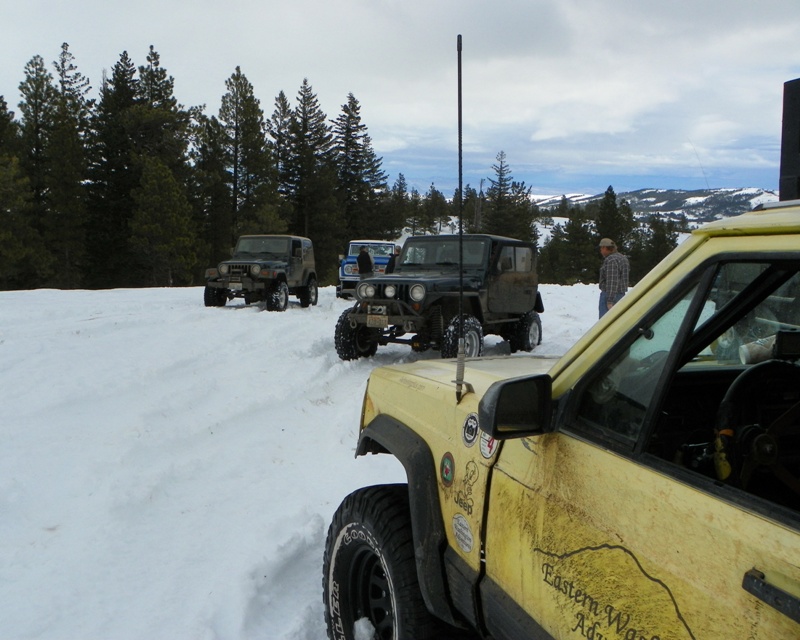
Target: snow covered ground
(169, 470)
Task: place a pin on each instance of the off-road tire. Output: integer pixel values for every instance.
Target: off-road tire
(213, 297)
(278, 297)
(310, 293)
(526, 333)
(354, 342)
(369, 569)
(473, 338)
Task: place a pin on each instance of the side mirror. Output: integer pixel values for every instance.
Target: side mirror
(517, 408)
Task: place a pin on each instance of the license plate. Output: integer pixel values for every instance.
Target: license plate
(236, 286)
(377, 322)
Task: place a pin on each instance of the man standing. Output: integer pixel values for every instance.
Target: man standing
(613, 275)
(364, 262)
(391, 264)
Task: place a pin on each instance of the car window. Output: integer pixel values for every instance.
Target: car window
(747, 305)
(261, 245)
(517, 259)
(617, 398)
(443, 252)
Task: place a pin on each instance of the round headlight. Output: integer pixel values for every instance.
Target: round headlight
(417, 292)
(389, 291)
(255, 269)
(366, 290)
(223, 269)
(350, 270)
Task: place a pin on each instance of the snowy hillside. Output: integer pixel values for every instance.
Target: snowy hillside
(698, 206)
(169, 471)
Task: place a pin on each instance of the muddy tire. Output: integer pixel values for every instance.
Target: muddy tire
(354, 342)
(473, 338)
(214, 297)
(278, 297)
(527, 333)
(309, 294)
(369, 573)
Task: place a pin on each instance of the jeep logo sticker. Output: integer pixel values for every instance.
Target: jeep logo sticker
(469, 433)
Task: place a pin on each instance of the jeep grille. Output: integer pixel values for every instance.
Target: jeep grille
(238, 269)
(402, 292)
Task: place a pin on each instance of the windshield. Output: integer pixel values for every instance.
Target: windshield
(375, 250)
(262, 246)
(443, 253)
(746, 307)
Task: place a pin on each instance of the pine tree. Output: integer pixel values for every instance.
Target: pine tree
(212, 187)
(162, 233)
(471, 210)
(311, 155)
(158, 126)
(399, 205)
(37, 111)
(65, 233)
(414, 219)
(509, 210)
(9, 131)
(651, 242)
(311, 182)
(435, 211)
(279, 132)
(551, 265)
(498, 199)
(253, 182)
(362, 182)
(614, 220)
(24, 261)
(114, 174)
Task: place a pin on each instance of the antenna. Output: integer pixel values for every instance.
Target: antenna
(460, 355)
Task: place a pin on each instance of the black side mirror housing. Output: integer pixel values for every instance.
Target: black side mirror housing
(517, 408)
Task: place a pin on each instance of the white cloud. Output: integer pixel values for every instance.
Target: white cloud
(576, 86)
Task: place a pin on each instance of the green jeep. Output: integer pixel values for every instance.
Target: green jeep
(418, 303)
(265, 268)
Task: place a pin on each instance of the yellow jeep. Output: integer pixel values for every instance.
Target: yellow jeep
(644, 486)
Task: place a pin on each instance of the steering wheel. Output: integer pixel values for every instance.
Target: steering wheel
(743, 445)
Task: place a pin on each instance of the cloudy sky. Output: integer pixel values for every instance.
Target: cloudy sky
(579, 94)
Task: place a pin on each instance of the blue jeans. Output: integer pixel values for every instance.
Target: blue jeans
(605, 298)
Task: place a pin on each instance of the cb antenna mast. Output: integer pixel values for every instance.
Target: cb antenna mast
(460, 355)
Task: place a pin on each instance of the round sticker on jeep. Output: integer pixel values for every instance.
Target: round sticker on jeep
(469, 433)
(447, 469)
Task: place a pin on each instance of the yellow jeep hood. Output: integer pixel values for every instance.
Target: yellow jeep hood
(479, 373)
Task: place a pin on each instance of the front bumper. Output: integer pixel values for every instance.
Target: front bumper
(239, 284)
(382, 314)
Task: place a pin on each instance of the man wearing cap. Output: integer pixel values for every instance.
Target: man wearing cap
(613, 275)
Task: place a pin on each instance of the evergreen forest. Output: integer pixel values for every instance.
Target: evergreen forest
(134, 189)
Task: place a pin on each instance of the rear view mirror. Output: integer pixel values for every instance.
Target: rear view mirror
(517, 408)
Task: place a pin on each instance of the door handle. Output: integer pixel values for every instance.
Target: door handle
(754, 582)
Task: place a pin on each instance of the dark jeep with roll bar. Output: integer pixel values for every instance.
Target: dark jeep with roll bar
(418, 304)
(266, 268)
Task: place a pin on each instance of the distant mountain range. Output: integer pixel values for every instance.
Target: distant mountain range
(697, 207)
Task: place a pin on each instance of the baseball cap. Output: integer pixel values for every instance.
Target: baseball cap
(607, 242)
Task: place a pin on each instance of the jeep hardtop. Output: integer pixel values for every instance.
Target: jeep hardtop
(418, 304)
(644, 486)
(266, 268)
